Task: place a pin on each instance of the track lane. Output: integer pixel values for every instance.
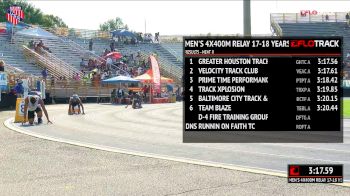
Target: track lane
(157, 129)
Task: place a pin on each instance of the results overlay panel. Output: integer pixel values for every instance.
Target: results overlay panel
(262, 89)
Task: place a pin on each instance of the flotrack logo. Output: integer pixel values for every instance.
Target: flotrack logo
(306, 12)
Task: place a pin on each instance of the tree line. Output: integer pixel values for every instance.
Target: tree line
(32, 15)
(35, 16)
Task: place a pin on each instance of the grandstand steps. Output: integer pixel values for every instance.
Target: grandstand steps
(12, 55)
(169, 56)
(174, 48)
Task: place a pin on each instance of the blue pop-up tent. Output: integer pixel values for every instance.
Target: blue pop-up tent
(36, 32)
(120, 79)
(123, 32)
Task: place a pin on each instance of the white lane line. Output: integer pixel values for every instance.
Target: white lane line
(308, 147)
(277, 155)
(9, 124)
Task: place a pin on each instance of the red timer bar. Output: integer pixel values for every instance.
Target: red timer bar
(276, 90)
(315, 173)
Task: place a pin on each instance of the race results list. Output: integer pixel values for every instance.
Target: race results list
(262, 88)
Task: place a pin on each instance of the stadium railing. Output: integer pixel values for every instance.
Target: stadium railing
(84, 88)
(14, 70)
(79, 33)
(309, 18)
(55, 69)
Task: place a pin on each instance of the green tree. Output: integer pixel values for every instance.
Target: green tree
(32, 15)
(113, 24)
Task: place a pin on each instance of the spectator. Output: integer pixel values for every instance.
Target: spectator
(31, 44)
(170, 88)
(139, 71)
(76, 77)
(38, 49)
(96, 65)
(91, 64)
(109, 63)
(2, 66)
(19, 88)
(106, 52)
(42, 46)
(120, 95)
(145, 91)
(347, 17)
(44, 74)
(156, 39)
(82, 64)
(114, 96)
(103, 76)
(327, 17)
(112, 45)
(177, 92)
(90, 44)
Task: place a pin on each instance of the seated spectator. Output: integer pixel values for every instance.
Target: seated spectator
(76, 77)
(164, 94)
(104, 76)
(31, 44)
(90, 64)
(110, 74)
(96, 64)
(117, 72)
(38, 49)
(41, 44)
(2, 66)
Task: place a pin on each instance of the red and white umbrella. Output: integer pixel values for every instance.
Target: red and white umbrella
(114, 55)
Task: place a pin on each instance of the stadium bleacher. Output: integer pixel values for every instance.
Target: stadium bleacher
(12, 55)
(174, 48)
(68, 50)
(296, 25)
(168, 62)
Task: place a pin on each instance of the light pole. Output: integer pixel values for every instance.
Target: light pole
(246, 18)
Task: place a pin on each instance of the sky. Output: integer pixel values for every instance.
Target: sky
(181, 17)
